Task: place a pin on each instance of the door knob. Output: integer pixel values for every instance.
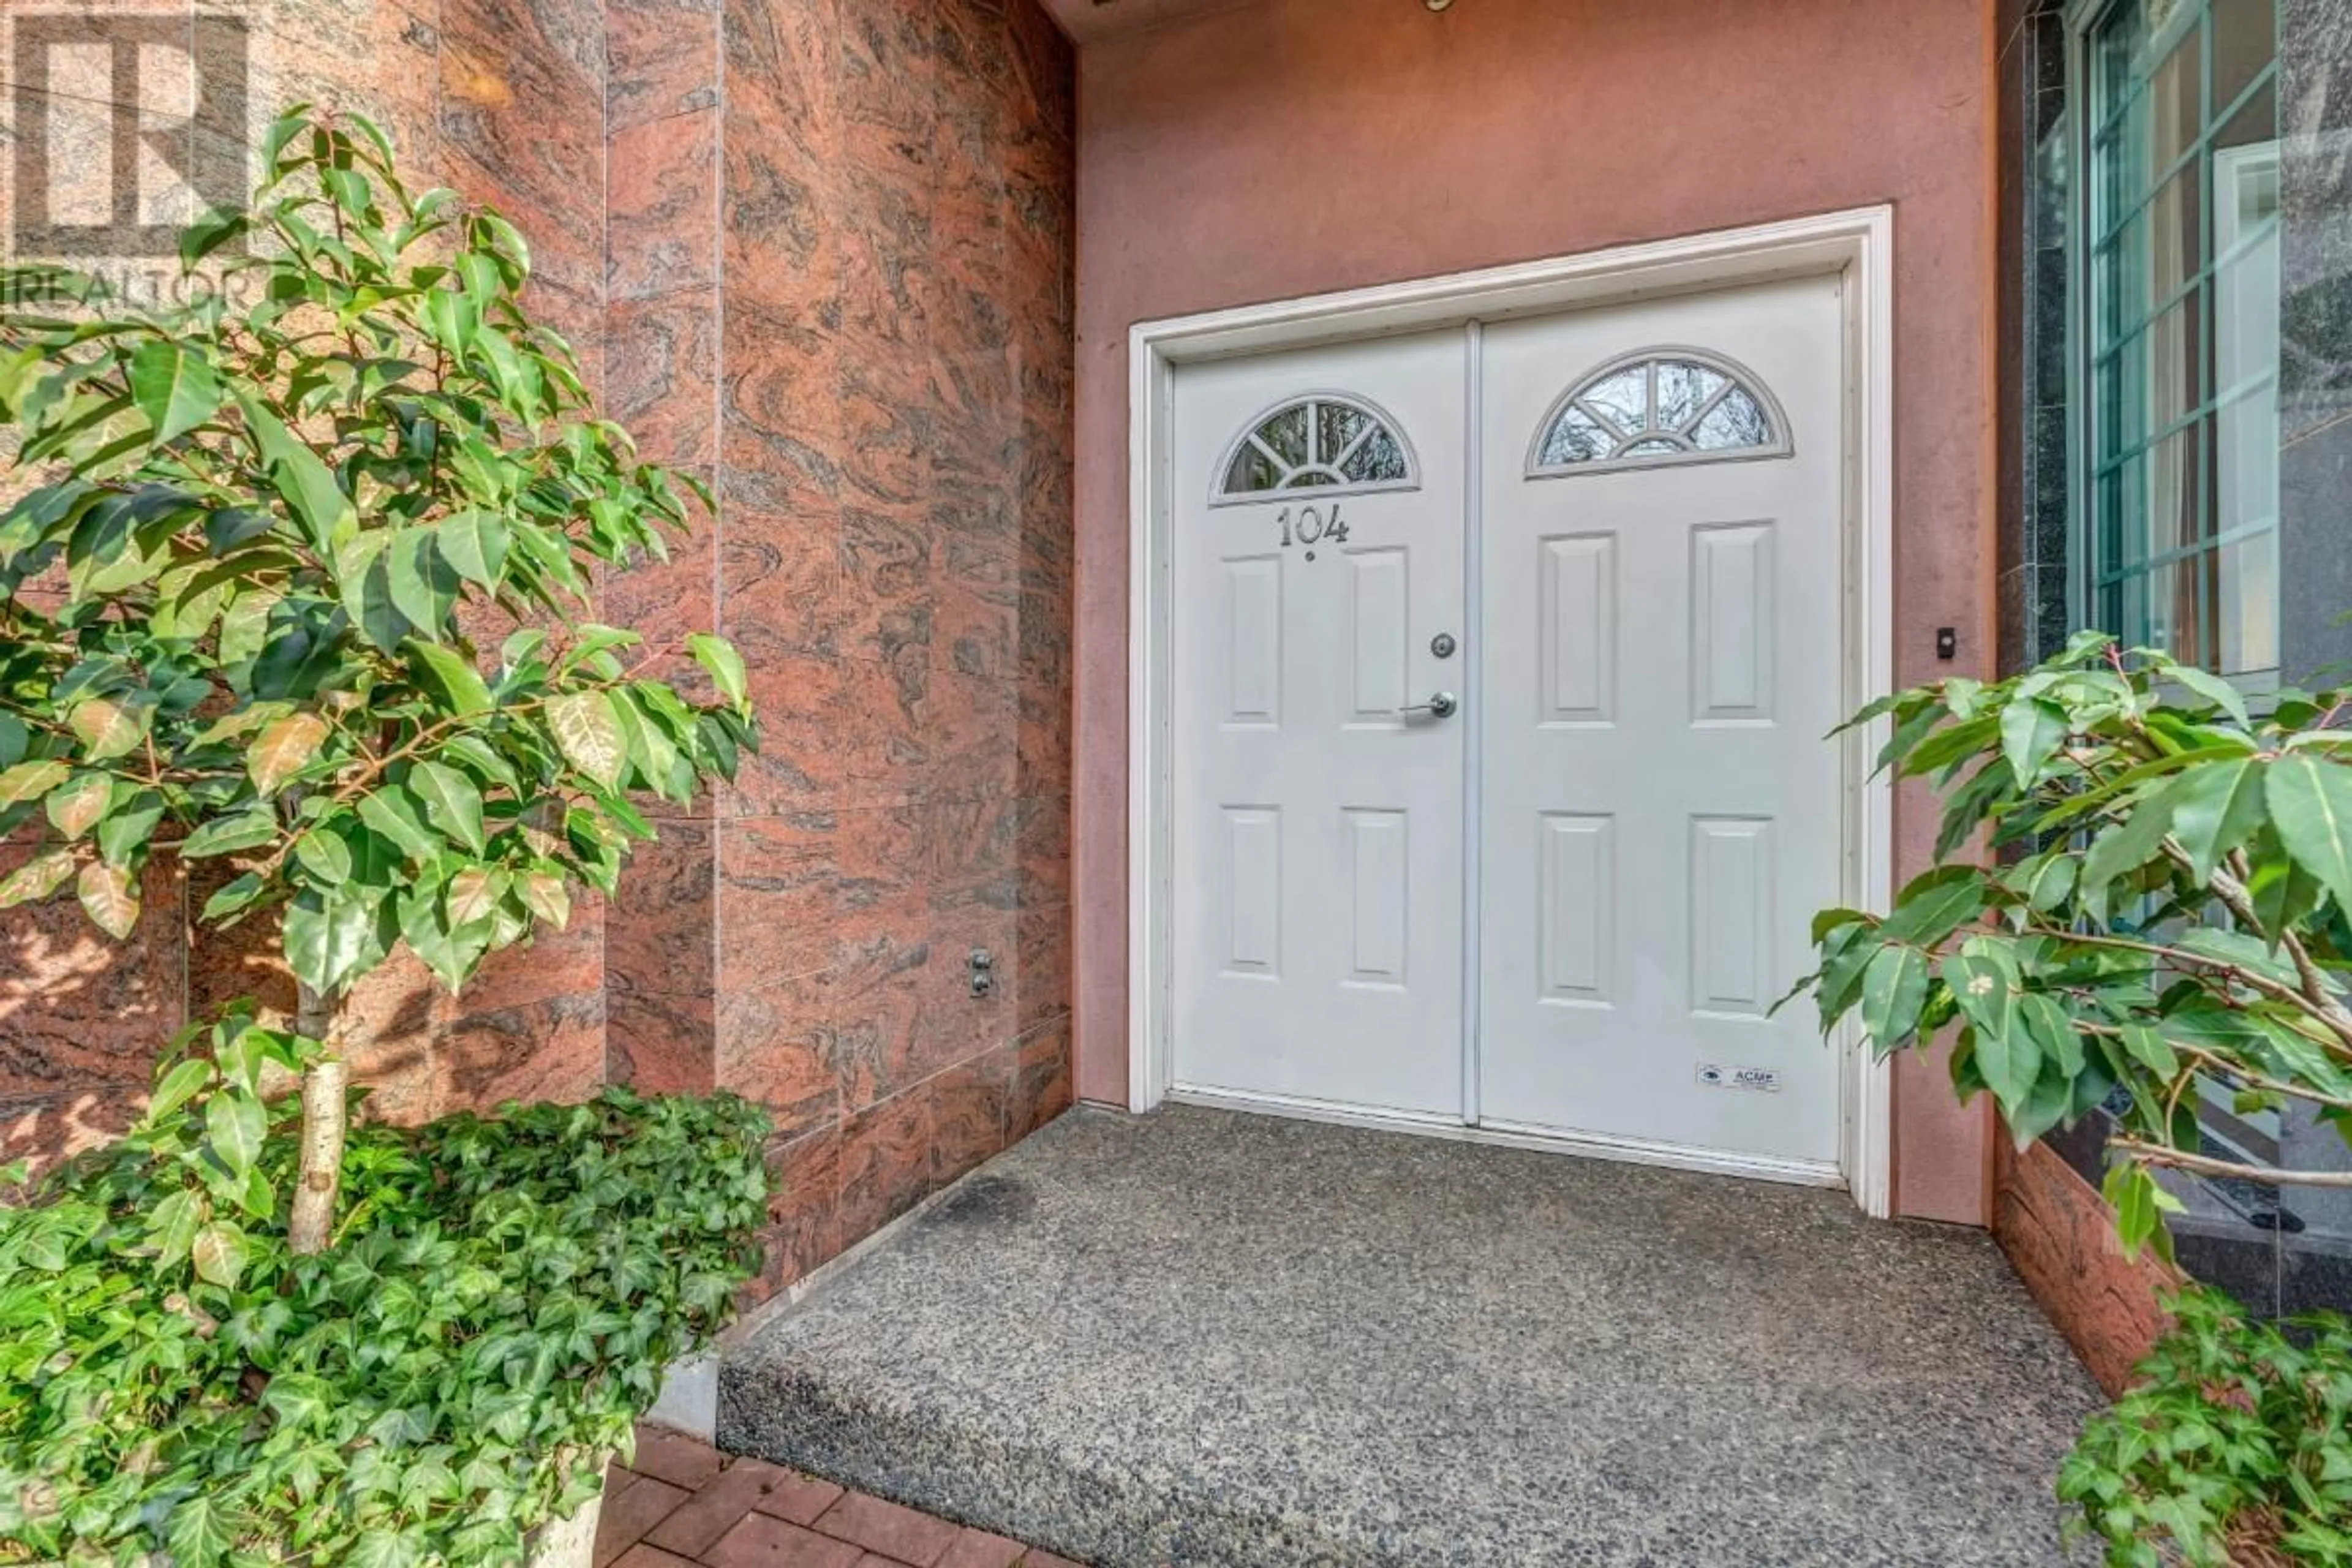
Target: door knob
(1441, 706)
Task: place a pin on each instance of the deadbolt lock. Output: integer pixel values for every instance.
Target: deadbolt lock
(1443, 645)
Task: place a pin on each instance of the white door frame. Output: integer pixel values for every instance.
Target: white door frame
(1855, 245)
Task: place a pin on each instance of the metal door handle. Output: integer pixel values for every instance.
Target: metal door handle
(1441, 706)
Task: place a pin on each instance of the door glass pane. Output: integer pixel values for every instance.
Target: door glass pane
(1623, 399)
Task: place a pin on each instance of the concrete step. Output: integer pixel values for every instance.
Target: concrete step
(1201, 1338)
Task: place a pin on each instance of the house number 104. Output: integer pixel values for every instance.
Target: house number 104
(1311, 527)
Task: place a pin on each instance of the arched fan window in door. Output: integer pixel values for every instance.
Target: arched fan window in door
(1657, 407)
(1324, 444)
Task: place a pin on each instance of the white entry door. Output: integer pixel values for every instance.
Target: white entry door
(1317, 554)
(1623, 714)
(1660, 815)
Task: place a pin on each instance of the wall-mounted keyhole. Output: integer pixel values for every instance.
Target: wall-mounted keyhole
(983, 972)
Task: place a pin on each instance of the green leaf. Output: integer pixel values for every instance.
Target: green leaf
(724, 666)
(174, 386)
(393, 811)
(285, 748)
(245, 623)
(299, 1399)
(589, 733)
(380, 1548)
(473, 895)
(424, 587)
(108, 729)
(545, 895)
(475, 543)
(1985, 985)
(220, 1253)
(2151, 1050)
(36, 878)
(2221, 693)
(172, 1223)
(2215, 808)
(2123, 848)
(309, 488)
(109, 899)
(1894, 987)
(325, 855)
(1934, 904)
(451, 803)
(74, 810)
(236, 1125)
(2055, 1032)
(30, 781)
(2311, 808)
(2140, 1204)
(2045, 881)
(238, 895)
(330, 940)
(128, 831)
(228, 835)
(451, 677)
(2031, 730)
(178, 1087)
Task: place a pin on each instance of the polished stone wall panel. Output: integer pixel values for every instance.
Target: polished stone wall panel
(505, 102)
(820, 257)
(893, 445)
(2315, 335)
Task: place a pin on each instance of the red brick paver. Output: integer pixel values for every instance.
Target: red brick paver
(686, 1505)
(898, 1534)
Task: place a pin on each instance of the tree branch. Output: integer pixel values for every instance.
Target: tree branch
(2205, 1166)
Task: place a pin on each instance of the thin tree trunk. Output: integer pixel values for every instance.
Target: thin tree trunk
(325, 1106)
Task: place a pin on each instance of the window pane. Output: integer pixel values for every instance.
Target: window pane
(2247, 607)
(2176, 103)
(2176, 235)
(1683, 390)
(1286, 434)
(1623, 399)
(2172, 495)
(2243, 46)
(1736, 421)
(1252, 471)
(1576, 437)
(2180, 327)
(1378, 461)
(1336, 425)
(2170, 365)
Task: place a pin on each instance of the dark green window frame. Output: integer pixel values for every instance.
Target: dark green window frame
(2175, 369)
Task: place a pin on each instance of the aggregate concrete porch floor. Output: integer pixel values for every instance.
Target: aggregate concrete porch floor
(1200, 1337)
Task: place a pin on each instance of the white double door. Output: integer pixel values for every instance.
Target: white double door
(1501, 663)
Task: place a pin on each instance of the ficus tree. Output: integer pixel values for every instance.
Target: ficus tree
(256, 539)
(2142, 886)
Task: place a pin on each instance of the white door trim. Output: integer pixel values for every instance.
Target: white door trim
(1856, 244)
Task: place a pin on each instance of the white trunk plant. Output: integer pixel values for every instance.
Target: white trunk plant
(254, 536)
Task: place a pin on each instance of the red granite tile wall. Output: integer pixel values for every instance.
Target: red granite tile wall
(506, 104)
(2060, 1238)
(819, 253)
(866, 344)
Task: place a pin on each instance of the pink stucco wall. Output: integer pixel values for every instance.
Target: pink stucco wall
(1297, 146)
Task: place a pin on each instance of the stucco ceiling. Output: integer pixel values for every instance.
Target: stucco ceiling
(1086, 20)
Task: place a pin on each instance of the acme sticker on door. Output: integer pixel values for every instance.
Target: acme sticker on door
(1765, 1080)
